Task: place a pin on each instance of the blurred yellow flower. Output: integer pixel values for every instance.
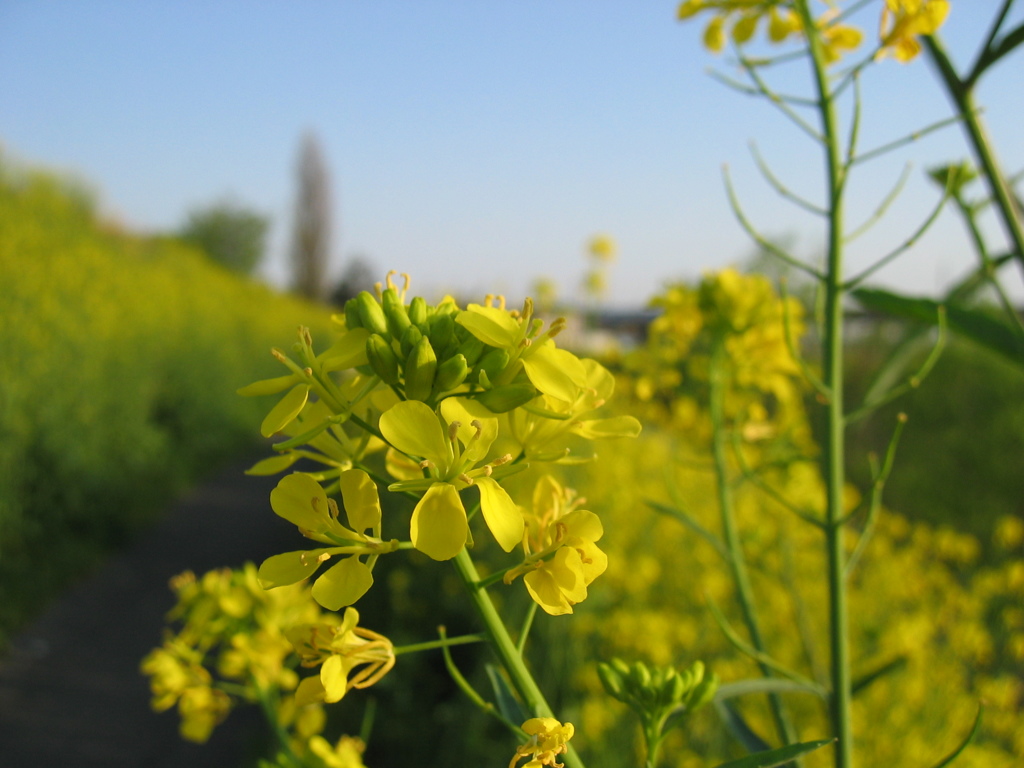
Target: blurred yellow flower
(548, 739)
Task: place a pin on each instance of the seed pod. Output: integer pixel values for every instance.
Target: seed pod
(504, 399)
(450, 374)
(410, 339)
(395, 313)
(382, 359)
(371, 314)
(420, 368)
(352, 319)
(418, 313)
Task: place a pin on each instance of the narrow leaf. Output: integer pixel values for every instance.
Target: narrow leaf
(738, 727)
(762, 685)
(507, 702)
(963, 744)
(868, 678)
(774, 757)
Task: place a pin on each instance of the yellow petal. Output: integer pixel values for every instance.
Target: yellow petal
(348, 352)
(491, 325)
(545, 592)
(616, 426)
(362, 504)
(273, 465)
(500, 513)
(299, 499)
(413, 428)
(288, 568)
(439, 527)
(310, 691)
(269, 386)
(342, 584)
(555, 371)
(282, 414)
(334, 678)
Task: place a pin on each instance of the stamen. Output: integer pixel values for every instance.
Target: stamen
(453, 430)
(279, 355)
(489, 300)
(501, 301)
(323, 557)
(478, 426)
(389, 281)
(466, 479)
(379, 290)
(308, 371)
(501, 460)
(426, 464)
(332, 505)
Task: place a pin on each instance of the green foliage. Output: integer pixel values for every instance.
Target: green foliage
(120, 359)
(233, 236)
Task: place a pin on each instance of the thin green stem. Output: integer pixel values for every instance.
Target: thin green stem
(718, 375)
(433, 644)
(832, 363)
(505, 648)
(962, 95)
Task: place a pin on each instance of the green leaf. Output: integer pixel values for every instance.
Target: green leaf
(976, 324)
(773, 757)
(739, 728)
(963, 745)
(868, 678)
(762, 685)
(508, 704)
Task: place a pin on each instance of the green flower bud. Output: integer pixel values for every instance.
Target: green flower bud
(442, 331)
(677, 690)
(371, 314)
(504, 399)
(450, 374)
(420, 368)
(703, 693)
(472, 349)
(383, 359)
(418, 313)
(410, 339)
(352, 319)
(610, 679)
(395, 313)
(493, 362)
(641, 674)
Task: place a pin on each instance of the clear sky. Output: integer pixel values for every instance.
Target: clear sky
(477, 145)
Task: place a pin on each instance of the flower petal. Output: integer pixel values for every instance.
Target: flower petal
(334, 678)
(555, 371)
(289, 567)
(545, 592)
(439, 527)
(299, 499)
(500, 513)
(269, 386)
(273, 465)
(362, 504)
(616, 426)
(413, 428)
(348, 352)
(491, 325)
(342, 584)
(284, 413)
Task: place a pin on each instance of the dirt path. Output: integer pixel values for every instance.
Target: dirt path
(71, 695)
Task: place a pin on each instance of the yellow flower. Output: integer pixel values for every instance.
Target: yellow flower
(339, 650)
(299, 499)
(903, 21)
(347, 753)
(548, 739)
(562, 559)
(450, 446)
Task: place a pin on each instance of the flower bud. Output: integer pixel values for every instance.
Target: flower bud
(442, 331)
(504, 399)
(395, 313)
(352, 319)
(418, 313)
(420, 368)
(450, 374)
(371, 314)
(382, 359)
(410, 339)
(493, 362)
(472, 349)
(703, 693)
(610, 679)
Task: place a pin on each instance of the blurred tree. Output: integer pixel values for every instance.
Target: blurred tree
(311, 241)
(230, 234)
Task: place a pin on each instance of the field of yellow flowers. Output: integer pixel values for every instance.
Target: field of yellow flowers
(120, 358)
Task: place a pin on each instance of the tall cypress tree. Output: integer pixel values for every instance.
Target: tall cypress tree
(311, 241)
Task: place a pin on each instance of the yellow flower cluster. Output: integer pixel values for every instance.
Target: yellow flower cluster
(902, 23)
(460, 399)
(925, 602)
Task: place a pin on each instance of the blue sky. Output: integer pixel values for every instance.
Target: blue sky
(477, 145)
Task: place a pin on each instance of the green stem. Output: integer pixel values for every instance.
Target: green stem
(832, 361)
(962, 96)
(505, 648)
(734, 549)
(433, 644)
